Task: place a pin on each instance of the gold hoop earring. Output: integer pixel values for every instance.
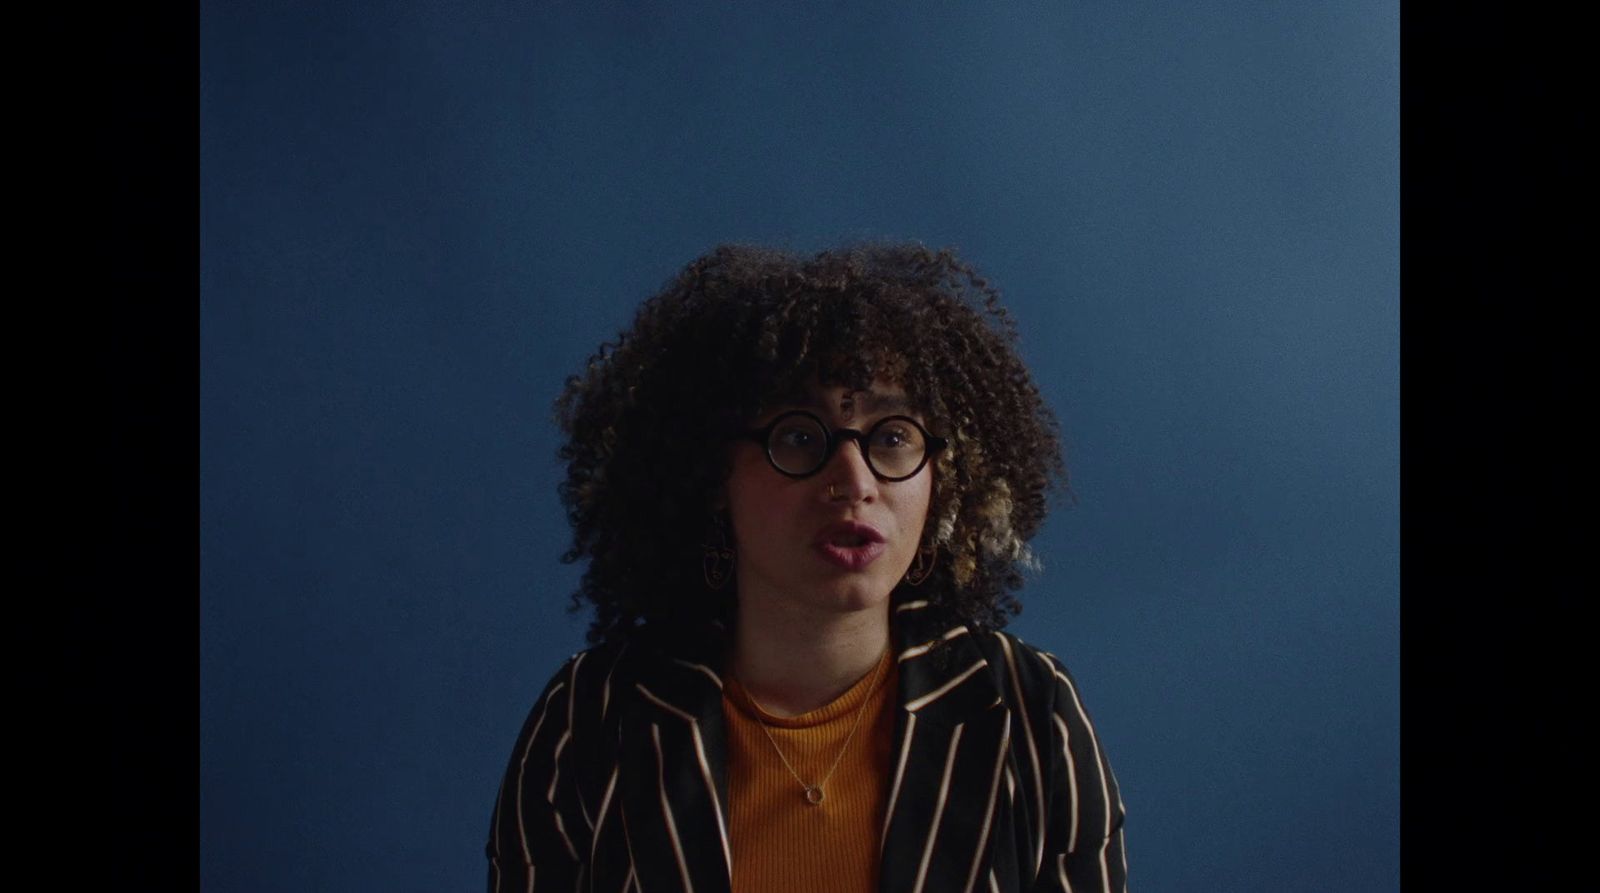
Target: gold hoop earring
(717, 556)
(922, 566)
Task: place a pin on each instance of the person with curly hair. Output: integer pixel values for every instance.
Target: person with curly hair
(804, 488)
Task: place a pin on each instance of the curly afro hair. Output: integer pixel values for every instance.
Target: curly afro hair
(744, 329)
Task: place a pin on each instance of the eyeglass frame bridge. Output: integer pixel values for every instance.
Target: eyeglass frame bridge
(835, 437)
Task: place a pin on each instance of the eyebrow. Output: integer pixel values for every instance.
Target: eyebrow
(868, 402)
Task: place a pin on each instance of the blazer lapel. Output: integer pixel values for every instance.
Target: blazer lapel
(672, 754)
(952, 736)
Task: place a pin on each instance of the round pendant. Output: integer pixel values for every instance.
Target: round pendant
(813, 796)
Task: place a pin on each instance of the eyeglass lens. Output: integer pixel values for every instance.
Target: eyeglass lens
(798, 445)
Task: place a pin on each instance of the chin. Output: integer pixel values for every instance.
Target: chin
(858, 595)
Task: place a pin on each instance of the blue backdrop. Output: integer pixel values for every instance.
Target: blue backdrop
(417, 218)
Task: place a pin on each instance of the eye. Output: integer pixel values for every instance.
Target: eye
(794, 436)
(895, 437)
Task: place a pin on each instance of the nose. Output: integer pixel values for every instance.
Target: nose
(846, 477)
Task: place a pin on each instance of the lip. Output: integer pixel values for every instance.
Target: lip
(852, 558)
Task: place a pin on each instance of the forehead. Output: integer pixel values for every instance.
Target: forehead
(879, 398)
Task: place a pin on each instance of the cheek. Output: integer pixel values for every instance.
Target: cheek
(741, 500)
(755, 496)
(743, 478)
(918, 505)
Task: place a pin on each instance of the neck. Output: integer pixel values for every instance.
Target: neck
(793, 661)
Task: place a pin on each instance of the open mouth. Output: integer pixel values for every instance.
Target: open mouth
(850, 545)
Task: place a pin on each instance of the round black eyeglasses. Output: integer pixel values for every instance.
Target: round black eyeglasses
(799, 444)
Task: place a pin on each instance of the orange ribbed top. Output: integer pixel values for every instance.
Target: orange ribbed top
(780, 843)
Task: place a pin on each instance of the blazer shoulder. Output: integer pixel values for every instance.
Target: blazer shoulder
(603, 657)
(577, 695)
(583, 664)
(1021, 669)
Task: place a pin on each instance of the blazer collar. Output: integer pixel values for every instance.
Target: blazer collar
(672, 760)
(951, 751)
(674, 756)
(944, 676)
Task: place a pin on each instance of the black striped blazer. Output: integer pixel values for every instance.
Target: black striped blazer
(617, 783)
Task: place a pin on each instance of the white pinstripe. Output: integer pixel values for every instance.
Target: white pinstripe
(605, 804)
(1094, 744)
(562, 827)
(627, 841)
(899, 773)
(663, 704)
(666, 809)
(522, 768)
(988, 812)
(555, 775)
(572, 700)
(584, 808)
(1033, 751)
(605, 691)
(938, 809)
(925, 647)
(1072, 784)
(717, 680)
(705, 768)
(711, 789)
(1105, 793)
(942, 690)
(494, 861)
(1122, 845)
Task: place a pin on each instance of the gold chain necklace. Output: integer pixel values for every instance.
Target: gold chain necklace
(814, 792)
